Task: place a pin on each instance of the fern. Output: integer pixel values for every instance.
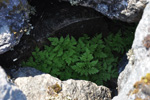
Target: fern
(86, 65)
(93, 59)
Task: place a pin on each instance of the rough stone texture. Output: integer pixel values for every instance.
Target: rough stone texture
(14, 15)
(124, 10)
(59, 19)
(46, 87)
(139, 63)
(7, 90)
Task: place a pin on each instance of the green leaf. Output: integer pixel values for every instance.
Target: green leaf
(102, 55)
(93, 47)
(93, 71)
(55, 71)
(60, 53)
(61, 40)
(75, 59)
(54, 41)
(68, 61)
(37, 49)
(73, 41)
(67, 40)
(93, 63)
(56, 48)
(81, 43)
(80, 65)
(86, 56)
(52, 56)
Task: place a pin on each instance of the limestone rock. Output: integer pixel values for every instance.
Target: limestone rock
(13, 22)
(7, 90)
(59, 19)
(139, 62)
(46, 87)
(124, 10)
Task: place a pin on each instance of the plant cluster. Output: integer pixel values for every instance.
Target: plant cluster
(94, 59)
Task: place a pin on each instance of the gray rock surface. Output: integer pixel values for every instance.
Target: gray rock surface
(124, 10)
(14, 15)
(139, 62)
(7, 90)
(59, 19)
(46, 87)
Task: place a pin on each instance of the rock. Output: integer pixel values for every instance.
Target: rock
(138, 66)
(57, 16)
(46, 87)
(59, 19)
(14, 16)
(7, 90)
(48, 21)
(124, 10)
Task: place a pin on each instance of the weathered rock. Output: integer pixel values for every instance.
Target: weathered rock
(50, 19)
(124, 10)
(58, 15)
(138, 66)
(60, 19)
(7, 90)
(14, 15)
(46, 87)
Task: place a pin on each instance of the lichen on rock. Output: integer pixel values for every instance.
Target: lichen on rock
(141, 88)
(47, 87)
(14, 18)
(124, 10)
(129, 86)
